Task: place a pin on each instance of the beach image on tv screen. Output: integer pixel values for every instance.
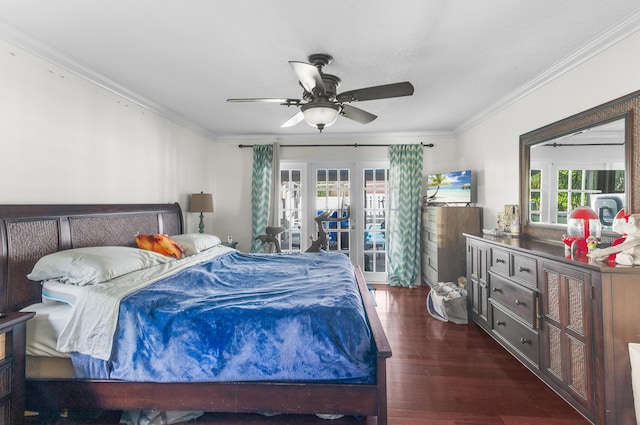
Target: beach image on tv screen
(449, 188)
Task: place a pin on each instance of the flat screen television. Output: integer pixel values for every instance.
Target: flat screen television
(455, 187)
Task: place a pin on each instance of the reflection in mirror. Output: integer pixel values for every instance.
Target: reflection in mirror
(586, 167)
(565, 176)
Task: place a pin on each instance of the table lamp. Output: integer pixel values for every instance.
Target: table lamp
(582, 223)
(202, 203)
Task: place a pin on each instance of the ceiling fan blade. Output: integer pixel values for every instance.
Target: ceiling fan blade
(357, 115)
(309, 77)
(377, 92)
(282, 101)
(293, 120)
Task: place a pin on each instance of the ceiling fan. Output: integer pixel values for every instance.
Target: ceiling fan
(321, 104)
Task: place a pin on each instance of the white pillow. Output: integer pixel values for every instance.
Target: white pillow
(193, 243)
(86, 266)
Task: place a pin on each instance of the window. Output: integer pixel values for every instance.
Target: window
(333, 196)
(575, 187)
(375, 213)
(535, 208)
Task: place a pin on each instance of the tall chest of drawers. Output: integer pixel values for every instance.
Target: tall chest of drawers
(568, 321)
(442, 257)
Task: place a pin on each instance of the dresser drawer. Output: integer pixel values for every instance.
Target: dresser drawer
(430, 275)
(424, 235)
(499, 261)
(424, 246)
(431, 237)
(430, 214)
(432, 263)
(516, 298)
(430, 254)
(517, 336)
(525, 269)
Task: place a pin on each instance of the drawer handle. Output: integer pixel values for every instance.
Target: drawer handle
(496, 289)
(518, 302)
(500, 323)
(500, 260)
(524, 269)
(525, 341)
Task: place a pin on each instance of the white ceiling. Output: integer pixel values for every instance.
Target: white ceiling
(184, 58)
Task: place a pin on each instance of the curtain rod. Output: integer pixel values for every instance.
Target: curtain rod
(353, 145)
(559, 145)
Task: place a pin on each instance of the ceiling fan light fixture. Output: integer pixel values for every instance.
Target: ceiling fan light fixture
(321, 104)
(320, 114)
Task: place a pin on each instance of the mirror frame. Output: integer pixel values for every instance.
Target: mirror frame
(627, 108)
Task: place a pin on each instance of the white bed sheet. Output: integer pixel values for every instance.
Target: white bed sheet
(94, 315)
(45, 327)
(54, 291)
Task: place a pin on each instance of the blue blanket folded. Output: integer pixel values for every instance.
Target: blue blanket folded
(244, 317)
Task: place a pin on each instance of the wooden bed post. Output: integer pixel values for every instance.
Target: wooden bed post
(382, 345)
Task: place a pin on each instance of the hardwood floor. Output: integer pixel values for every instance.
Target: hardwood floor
(439, 374)
(446, 374)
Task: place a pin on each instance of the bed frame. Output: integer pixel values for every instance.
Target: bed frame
(27, 232)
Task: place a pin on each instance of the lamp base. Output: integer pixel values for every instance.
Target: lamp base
(201, 227)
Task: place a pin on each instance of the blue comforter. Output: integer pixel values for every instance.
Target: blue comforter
(244, 317)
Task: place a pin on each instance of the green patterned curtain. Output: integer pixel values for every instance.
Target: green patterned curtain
(405, 191)
(260, 192)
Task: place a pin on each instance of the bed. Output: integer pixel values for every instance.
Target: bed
(29, 232)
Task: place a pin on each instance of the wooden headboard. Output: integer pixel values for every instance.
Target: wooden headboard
(27, 232)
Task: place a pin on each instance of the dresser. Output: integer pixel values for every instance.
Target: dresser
(12, 364)
(568, 321)
(442, 256)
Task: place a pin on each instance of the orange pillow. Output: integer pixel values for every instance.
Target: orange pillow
(162, 244)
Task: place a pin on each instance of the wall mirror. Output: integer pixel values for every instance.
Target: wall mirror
(591, 158)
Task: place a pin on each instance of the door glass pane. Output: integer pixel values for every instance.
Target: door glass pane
(332, 197)
(374, 217)
(290, 209)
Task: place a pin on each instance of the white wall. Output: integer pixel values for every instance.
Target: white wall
(66, 140)
(491, 147)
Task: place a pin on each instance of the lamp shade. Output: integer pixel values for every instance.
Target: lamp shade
(320, 114)
(583, 222)
(584, 213)
(201, 202)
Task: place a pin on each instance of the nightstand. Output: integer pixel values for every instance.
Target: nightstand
(12, 362)
(230, 244)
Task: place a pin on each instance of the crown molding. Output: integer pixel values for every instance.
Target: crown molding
(612, 36)
(42, 51)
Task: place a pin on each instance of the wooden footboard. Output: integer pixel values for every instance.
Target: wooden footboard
(211, 397)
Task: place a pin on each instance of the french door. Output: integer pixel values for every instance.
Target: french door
(353, 199)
